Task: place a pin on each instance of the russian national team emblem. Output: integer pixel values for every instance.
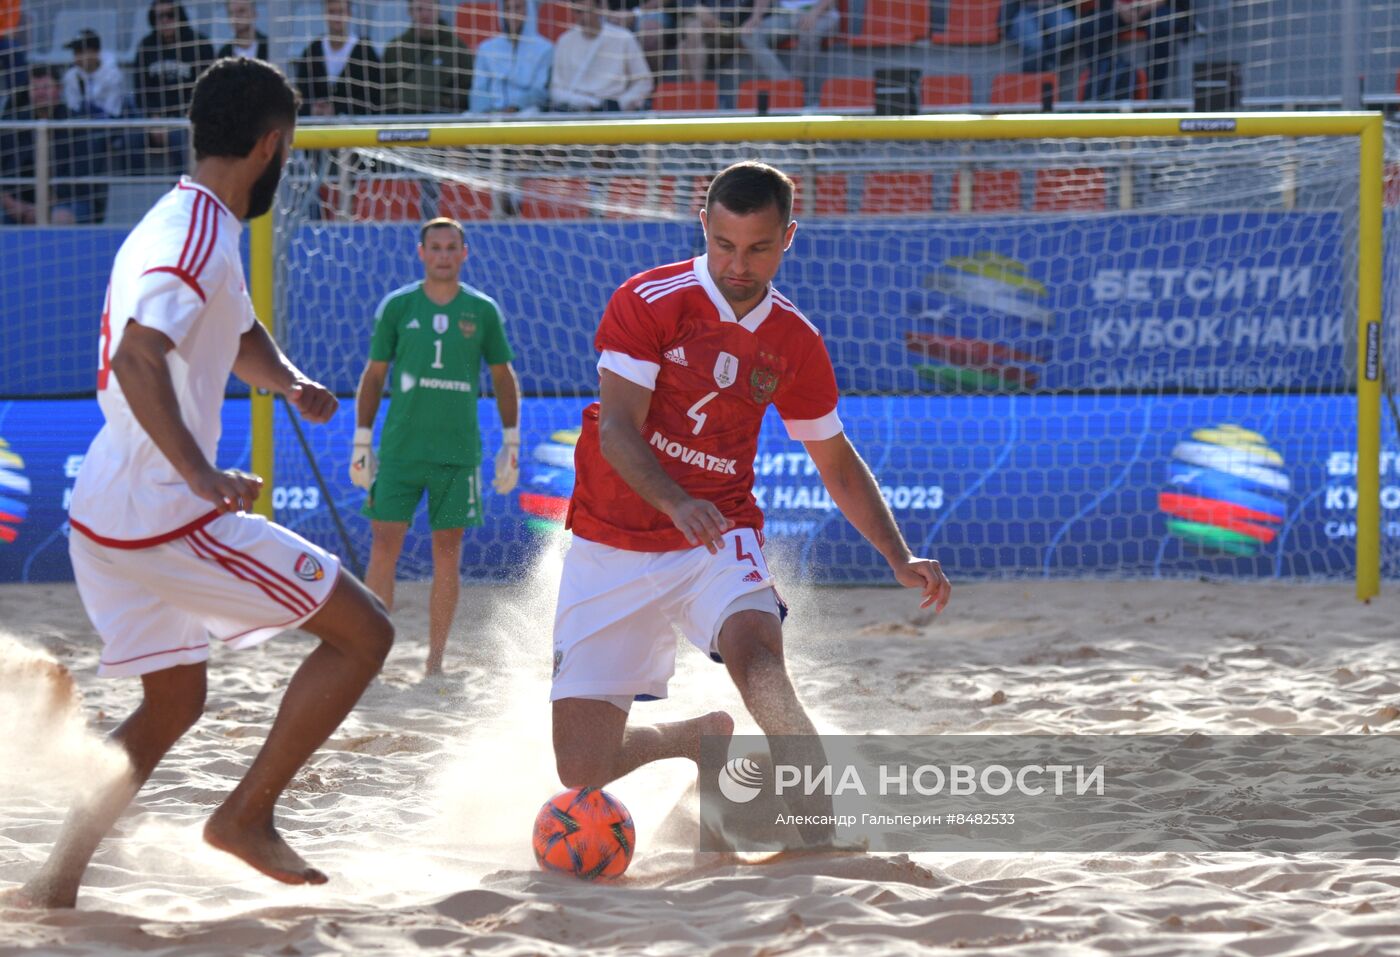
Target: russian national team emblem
(440, 323)
(1227, 491)
(726, 370)
(14, 489)
(468, 328)
(763, 381)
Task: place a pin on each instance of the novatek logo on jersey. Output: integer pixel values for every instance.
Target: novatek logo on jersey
(308, 569)
(711, 463)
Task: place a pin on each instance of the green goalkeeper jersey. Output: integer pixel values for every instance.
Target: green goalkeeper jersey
(436, 352)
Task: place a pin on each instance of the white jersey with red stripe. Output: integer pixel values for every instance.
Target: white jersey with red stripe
(178, 272)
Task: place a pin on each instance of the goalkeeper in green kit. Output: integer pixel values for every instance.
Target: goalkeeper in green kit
(436, 334)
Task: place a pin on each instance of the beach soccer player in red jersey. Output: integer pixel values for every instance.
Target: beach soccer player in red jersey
(666, 528)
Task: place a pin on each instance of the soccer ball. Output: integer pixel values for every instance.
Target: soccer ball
(585, 832)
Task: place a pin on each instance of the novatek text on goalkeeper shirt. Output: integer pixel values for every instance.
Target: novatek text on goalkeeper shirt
(436, 351)
(713, 376)
(177, 272)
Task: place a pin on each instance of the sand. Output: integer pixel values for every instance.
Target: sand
(420, 806)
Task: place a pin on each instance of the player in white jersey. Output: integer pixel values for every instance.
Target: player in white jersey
(164, 553)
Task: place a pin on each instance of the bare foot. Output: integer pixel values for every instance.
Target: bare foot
(261, 848)
(715, 724)
(37, 895)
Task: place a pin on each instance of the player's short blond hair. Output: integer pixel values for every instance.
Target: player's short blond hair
(438, 223)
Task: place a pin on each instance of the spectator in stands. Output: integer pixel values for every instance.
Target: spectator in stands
(72, 152)
(94, 85)
(339, 73)
(248, 41)
(1110, 73)
(512, 68)
(426, 68)
(1043, 29)
(168, 61)
(809, 22)
(12, 44)
(598, 65)
(705, 28)
(1166, 23)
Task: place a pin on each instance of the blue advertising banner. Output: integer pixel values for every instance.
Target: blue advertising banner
(1248, 486)
(1215, 302)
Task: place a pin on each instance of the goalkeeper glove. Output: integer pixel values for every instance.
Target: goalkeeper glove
(363, 464)
(508, 461)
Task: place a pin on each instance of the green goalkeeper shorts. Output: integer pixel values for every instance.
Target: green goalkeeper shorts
(454, 494)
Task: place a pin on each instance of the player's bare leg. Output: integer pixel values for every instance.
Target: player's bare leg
(751, 644)
(593, 745)
(386, 543)
(355, 635)
(172, 701)
(442, 600)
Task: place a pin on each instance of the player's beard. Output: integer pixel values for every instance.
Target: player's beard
(265, 187)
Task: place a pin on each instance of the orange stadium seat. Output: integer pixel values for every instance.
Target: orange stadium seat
(1057, 190)
(1023, 88)
(887, 193)
(831, 195)
(629, 193)
(477, 22)
(544, 197)
(970, 23)
(464, 202)
(843, 92)
(993, 190)
(782, 94)
(701, 97)
(554, 19)
(892, 23)
(380, 199)
(950, 90)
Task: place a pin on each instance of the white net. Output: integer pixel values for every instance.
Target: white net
(1123, 357)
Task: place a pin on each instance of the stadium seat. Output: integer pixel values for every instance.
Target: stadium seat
(701, 97)
(887, 193)
(379, 199)
(1140, 90)
(477, 22)
(699, 188)
(782, 94)
(554, 19)
(1057, 190)
(633, 196)
(992, 190)
(971, 23)
(831, 195)
(1392, 184)
(544, 197)
(892, 23)
(951, 90)
(1023, 88)
(465, 202)
(844, 92)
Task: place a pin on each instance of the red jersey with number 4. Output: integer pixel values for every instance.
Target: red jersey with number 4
(712, 377)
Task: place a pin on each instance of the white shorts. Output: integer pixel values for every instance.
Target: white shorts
(241, 579)
(612, 625)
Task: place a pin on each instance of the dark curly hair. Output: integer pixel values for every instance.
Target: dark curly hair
(236, 101)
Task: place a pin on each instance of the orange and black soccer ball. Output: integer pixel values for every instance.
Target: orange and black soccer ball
(586, 833)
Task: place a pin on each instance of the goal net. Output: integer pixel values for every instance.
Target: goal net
(1098, 355)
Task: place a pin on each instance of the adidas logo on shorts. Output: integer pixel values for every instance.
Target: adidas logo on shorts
(676, 355)
(753, 576)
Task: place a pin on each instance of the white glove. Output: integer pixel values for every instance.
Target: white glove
(363, 464)
(507, 461)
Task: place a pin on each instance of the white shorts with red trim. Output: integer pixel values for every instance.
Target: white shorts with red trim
(240, 579)
(616, 609)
